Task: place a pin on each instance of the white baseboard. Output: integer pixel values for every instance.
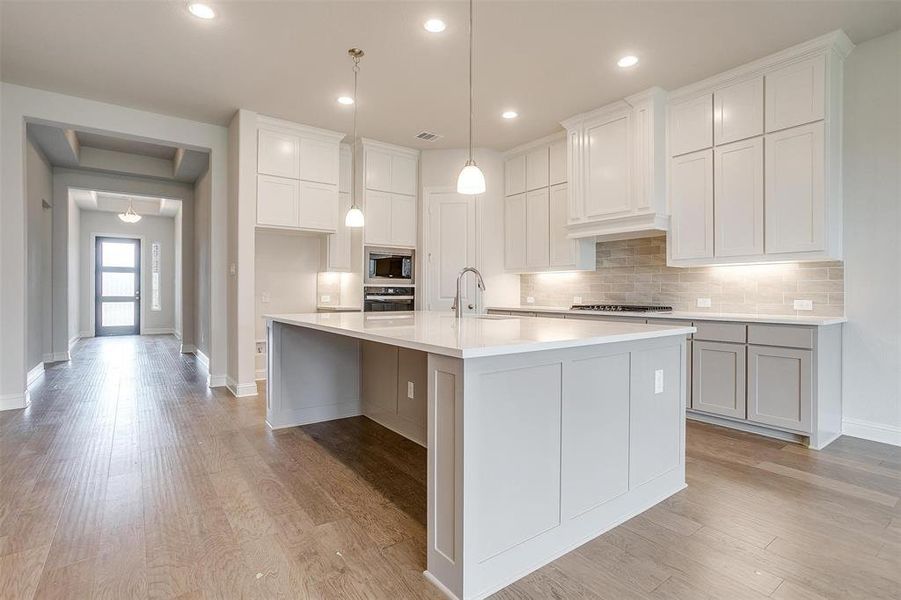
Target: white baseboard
(59, 357)
(261, 374)
(187, 348)
(15, 401)
(241, 390)
(876, 432)
(34, 373)
(47, 358)
(202, 358)
(158, 331)
(216, 381)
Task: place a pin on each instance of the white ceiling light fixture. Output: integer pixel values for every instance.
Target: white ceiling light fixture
(130, 216)
(354, 217)
(434, 26)
(509, 114)
(201, 10)
(627, 61)
(471, 180)
(346, 100)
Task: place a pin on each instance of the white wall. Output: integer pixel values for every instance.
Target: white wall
(872, 229)
(178, 275)
(202, 263)
(439, 169)
(19, 105)
(149, 229)
(39, 189)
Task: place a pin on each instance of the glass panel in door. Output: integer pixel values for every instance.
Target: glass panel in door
(118, 286)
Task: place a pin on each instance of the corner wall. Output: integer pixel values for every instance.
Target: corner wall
(39, 190)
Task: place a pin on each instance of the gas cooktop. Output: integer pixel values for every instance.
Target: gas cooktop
(622, 307)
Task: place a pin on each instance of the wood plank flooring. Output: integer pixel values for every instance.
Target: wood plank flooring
(128, 478)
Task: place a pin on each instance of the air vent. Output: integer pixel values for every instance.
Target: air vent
(428, 136)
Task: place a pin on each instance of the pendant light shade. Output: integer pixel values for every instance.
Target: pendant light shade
(354, 217)
(130, 216)
(471, 180)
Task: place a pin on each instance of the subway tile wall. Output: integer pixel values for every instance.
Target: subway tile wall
(635, 272)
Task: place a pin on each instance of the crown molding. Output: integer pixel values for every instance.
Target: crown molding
(264, 122)
(371, 143)
(548, 139)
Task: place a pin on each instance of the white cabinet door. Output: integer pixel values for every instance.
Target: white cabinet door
(795, 198)
(691, 205)
(738, 111)
(795, 94)
(403, 174)
(378, 170)
(278, 154)
(318, 206)
(451, 246)
(537, 168)
(277, 201)
(403, 220)
(515, 232)
(691, 125)
(377, 214)
(537, 229)
(562, 250)
(515, 176)
(557, 163)
(738, 198)
(574, 174)
(345, 166)
(319, 161)
(339, 242)
(607, 163)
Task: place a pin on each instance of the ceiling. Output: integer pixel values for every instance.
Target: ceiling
(119, 203)
(119, 144)
(546, 59)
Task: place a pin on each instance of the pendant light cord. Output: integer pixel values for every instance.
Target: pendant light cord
(353, 148)
(470, 80)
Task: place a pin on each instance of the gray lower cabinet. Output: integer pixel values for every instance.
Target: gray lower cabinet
(780, 387)
(718, 378)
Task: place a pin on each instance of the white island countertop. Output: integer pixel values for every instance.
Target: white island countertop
(683, 315)
(476, 335)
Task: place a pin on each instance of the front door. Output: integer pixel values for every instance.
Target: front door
(118, 286)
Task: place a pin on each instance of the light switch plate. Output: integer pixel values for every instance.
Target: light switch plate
(803, 304)
(265, 298)
(233, 269)
(704, 303)
(577, 299)
(530, 300)
(410, 390)
(658, 381)
(325, 298)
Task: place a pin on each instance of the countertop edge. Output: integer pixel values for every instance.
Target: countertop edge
(685, 315)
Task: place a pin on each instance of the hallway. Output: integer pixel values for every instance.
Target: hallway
(128, 478)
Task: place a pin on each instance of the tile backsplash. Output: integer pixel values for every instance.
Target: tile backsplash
(635, 272)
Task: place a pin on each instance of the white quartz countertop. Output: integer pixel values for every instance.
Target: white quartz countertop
(684, 315)
(477, 335)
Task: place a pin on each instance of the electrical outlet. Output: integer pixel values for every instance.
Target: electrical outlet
(325, 298)
(530, 300)
(577, 299)
(704, 303)
(658, 381)
(265, 297)
(803, 304)
(261, 347)
(410, 390)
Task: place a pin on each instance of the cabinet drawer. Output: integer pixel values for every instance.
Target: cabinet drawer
(721, 332)
(781, 335)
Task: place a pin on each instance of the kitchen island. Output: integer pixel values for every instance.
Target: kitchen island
(541, 434)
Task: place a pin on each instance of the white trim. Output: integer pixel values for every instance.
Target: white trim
(15, 401)
(81, 334)
(61, 357)
(270, 123)
(371, 143)
(868, 430)
(34, 373)
(157, 330)
(202, 358)
(261, 375)
(241, 390)
(187, 348)
(216, 381)
(548, 139)
(47, 358)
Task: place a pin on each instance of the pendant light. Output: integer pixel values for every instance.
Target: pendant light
(354, 216)
(471, 180)
(130, 216)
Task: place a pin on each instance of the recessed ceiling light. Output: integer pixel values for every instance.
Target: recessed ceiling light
(435, 25)
(345, 100)
(509, 114)
(201, 10)
(627, 61)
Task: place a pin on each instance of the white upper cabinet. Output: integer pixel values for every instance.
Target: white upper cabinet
(562, 250)
(738, 111)
(537, 168)
(515, 175)
(337, 248)
(345, 169)
(318, 161)
(318, 209)
(795, 195)
(391, 177)
(738, 198)
(606, 153)
(777, 160)
(515, 232)
(691, 125)
(795, 94)
(557, 162)
(278, 200)
(691, 198)
(537, 229)
(278, 154)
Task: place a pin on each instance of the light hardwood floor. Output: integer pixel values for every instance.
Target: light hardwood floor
(128, 478)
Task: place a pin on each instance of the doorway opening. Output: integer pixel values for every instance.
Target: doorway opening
(117, 298)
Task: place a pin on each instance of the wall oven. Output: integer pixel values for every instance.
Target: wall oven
(380, 299)
(388, 266)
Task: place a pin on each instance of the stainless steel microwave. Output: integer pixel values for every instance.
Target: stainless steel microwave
(389, 265)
